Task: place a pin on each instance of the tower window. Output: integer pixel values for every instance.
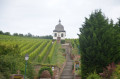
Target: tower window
(62, 35)
(55, 35)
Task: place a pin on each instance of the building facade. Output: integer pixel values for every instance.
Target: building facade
(59, 32)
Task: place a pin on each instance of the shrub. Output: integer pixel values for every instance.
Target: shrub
(45, 74)
(108, 71)
(116, 73)
(62, 41)
(2, 76)
(62, 50)
(79, 71)
(45, 68)
(93, 76)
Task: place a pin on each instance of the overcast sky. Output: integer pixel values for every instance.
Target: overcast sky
(39, 17)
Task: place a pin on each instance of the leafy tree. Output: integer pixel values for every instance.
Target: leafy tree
(15, 34)
(1, 32)
(11, 61)
(7, 33)
(117, 39)
(29, 35)
(21, 35)
(98, 45)
(46, 37)
(8, 61)
(118, 22)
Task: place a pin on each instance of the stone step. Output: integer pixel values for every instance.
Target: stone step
(69, 63)
(67, 73)
(68, 67)
(69, 59)
(66, 77)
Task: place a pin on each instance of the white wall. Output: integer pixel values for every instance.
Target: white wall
(59, 35)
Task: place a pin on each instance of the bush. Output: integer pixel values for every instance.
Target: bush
(62, 50)
(45, 74)
(45, 68)
(93, 76)
(116, 73)
(79, 71)
(62, 41)
(1, 76)
(108, 71)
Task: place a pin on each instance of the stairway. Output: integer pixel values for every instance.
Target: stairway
(67, 72)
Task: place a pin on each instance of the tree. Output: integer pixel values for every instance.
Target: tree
(8, 59)
(11, 61)
(117, 39)
(97, 43)
(15, 34)
(46, 37)
(21, 35)
(29, 35)
(118, 22)
(1, 32)
(7, 33)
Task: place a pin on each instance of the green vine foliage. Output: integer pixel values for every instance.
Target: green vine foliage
(45, 68)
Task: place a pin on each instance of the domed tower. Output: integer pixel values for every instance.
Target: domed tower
(59, 33)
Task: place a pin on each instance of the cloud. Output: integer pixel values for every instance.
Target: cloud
(39, 17)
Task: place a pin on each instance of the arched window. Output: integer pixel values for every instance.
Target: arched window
(62, 35)
(55, 35)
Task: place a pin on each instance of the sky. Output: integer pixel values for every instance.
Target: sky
(39, 17)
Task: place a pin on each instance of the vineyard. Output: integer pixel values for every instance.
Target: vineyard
(95, 54)
(42, 52)
(39, 50)
(75, 45)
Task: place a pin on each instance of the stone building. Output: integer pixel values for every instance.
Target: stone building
(59, 33)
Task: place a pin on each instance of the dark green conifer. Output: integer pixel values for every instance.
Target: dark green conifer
(97, 43)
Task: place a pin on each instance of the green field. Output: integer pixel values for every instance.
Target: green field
(39, 50)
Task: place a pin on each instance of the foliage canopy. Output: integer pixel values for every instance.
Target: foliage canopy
(99, 43)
